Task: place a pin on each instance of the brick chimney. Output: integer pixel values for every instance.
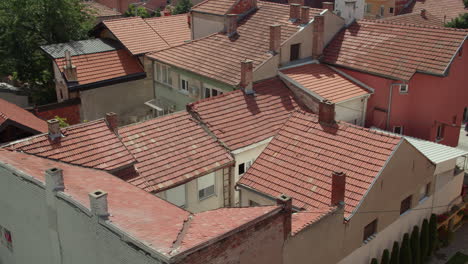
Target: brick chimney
(54, 179)
(113, 121)
(338, 187)
(330, 6)
(286, 202)
(98, 203)
(247, 76)
(69, 69)
(423, 13)
(317, 35)
(54, 129)
(305, 11)
(327, 112)
(294, 12)
(231, 24)
(275, 38)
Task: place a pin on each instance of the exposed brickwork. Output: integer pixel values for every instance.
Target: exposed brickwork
(69, 111)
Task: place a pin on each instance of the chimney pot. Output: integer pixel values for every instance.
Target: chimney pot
(423, 13)
(326, 112)
(98, 203)
(112, 120)
(54, 129)
(275, 38)
(330, 6)
(338, 187)
(318, 38)
(294, 12)
(54, 179)
(231, 24)
(286, 202)
(305, 10)
(247, 76)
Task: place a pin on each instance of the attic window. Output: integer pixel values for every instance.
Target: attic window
(403, 88)
(398, 130)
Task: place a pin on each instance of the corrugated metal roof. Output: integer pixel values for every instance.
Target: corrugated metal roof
(81, 47)
(435, 152)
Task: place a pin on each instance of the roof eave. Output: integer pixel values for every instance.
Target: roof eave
(126, 78)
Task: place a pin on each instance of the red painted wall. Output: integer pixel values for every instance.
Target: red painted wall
(430, 100)
(69, 111)
(119, 5)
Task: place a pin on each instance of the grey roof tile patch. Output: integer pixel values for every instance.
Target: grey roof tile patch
(81, 47)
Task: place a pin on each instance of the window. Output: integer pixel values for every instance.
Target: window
(176, 195)
(243, 167)
(424, 191)
(405, 205)
(460, 52)
(440, 132)
(368, 8)
(206, 186)
(390, 10)
(184, 84)
(398, 130)
(6, 238)
(210, 92)
(382, 11)
(163, 74)
(370, 230)
(253, 204)
(295, 48)
(403, 88)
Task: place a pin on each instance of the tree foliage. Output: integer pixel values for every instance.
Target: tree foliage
(424, 240)
(136, 11)
(385, 257)
(415, 245)
(374, 261)
(405, 251)
(25, 25)
(395, 257)
(433, 236)
(182, 6)
(458, 22)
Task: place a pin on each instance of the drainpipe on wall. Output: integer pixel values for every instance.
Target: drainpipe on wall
(389, 106)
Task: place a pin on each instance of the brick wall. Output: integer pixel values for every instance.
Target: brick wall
(261, 243)
(68, 109)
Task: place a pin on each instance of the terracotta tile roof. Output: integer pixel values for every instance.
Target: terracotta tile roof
(136, 35)
(394, 50)
(445, 10)
(325, 82)
(90, 144)
(145, 217)
(218, 222)
(93, 68)
(300, 160)
(171, 150)
(240, 120)
(9, 111)
(173, 29)
(416, 19)
(303, 219)
(99, 10)
(218, 57)
(218, 7)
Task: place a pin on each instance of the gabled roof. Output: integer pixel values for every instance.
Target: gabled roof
(301, 158)
(173, 29)
(90, 144)
(303, 219)
(99, 68)
(445, 10)
(218, 57)
(151, 221)
(171, 150)
(217, 7)
(239, 120)
(394, 50)
(12, 112)
(416, 19)
(321, 80)
(99, 10)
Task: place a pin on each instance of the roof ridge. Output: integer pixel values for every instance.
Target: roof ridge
(156, 31)
(190, 105)
(121, 18)
(182, 44)
(411, 25)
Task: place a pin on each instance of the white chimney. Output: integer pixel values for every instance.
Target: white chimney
(54, 179)
(54, 129)
(98, 203)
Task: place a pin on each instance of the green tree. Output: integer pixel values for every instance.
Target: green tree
(458, 22)
(415, 245)
(374, 261)
(158, 12)
(395, 257)
(385, 257)
(182, 6)
(134, 10)
(62, 121)
(433, 236)
(25, 25)
(424, 240)
(405, 251)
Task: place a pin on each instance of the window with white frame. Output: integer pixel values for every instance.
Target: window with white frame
(243, 167)
(163, 73)
(184, 84)
(211, 91)
(403, 88)
(398, 130)
(176, 195)
(440, 131)
(206, 186)
(424, 191)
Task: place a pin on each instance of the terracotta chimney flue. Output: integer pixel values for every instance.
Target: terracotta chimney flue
(338, 188)
(275, 38)
(247, 76)
(231, 24)
(330, 6)
(54, 129)
(317, 35)
(327, 112)
(112, 120)
(305, 11)
(294, 12)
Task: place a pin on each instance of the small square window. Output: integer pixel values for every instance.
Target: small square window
(390, 10)
(405, 204)
(370, 230)
(295, 50)
(398, 130)
(403, 88)
(241, 168)
(184, 85)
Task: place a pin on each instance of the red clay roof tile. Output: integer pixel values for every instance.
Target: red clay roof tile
(240, 120)
(171, 150)
(103, 66)
(173, 29)
(302, 219)
(90, 144)
(9, 111)
(218, 57)
(300, 160)
(99, 10)
(445, 10)
(217, 7)
(416, 19)
(394, 50)
(327, 83)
